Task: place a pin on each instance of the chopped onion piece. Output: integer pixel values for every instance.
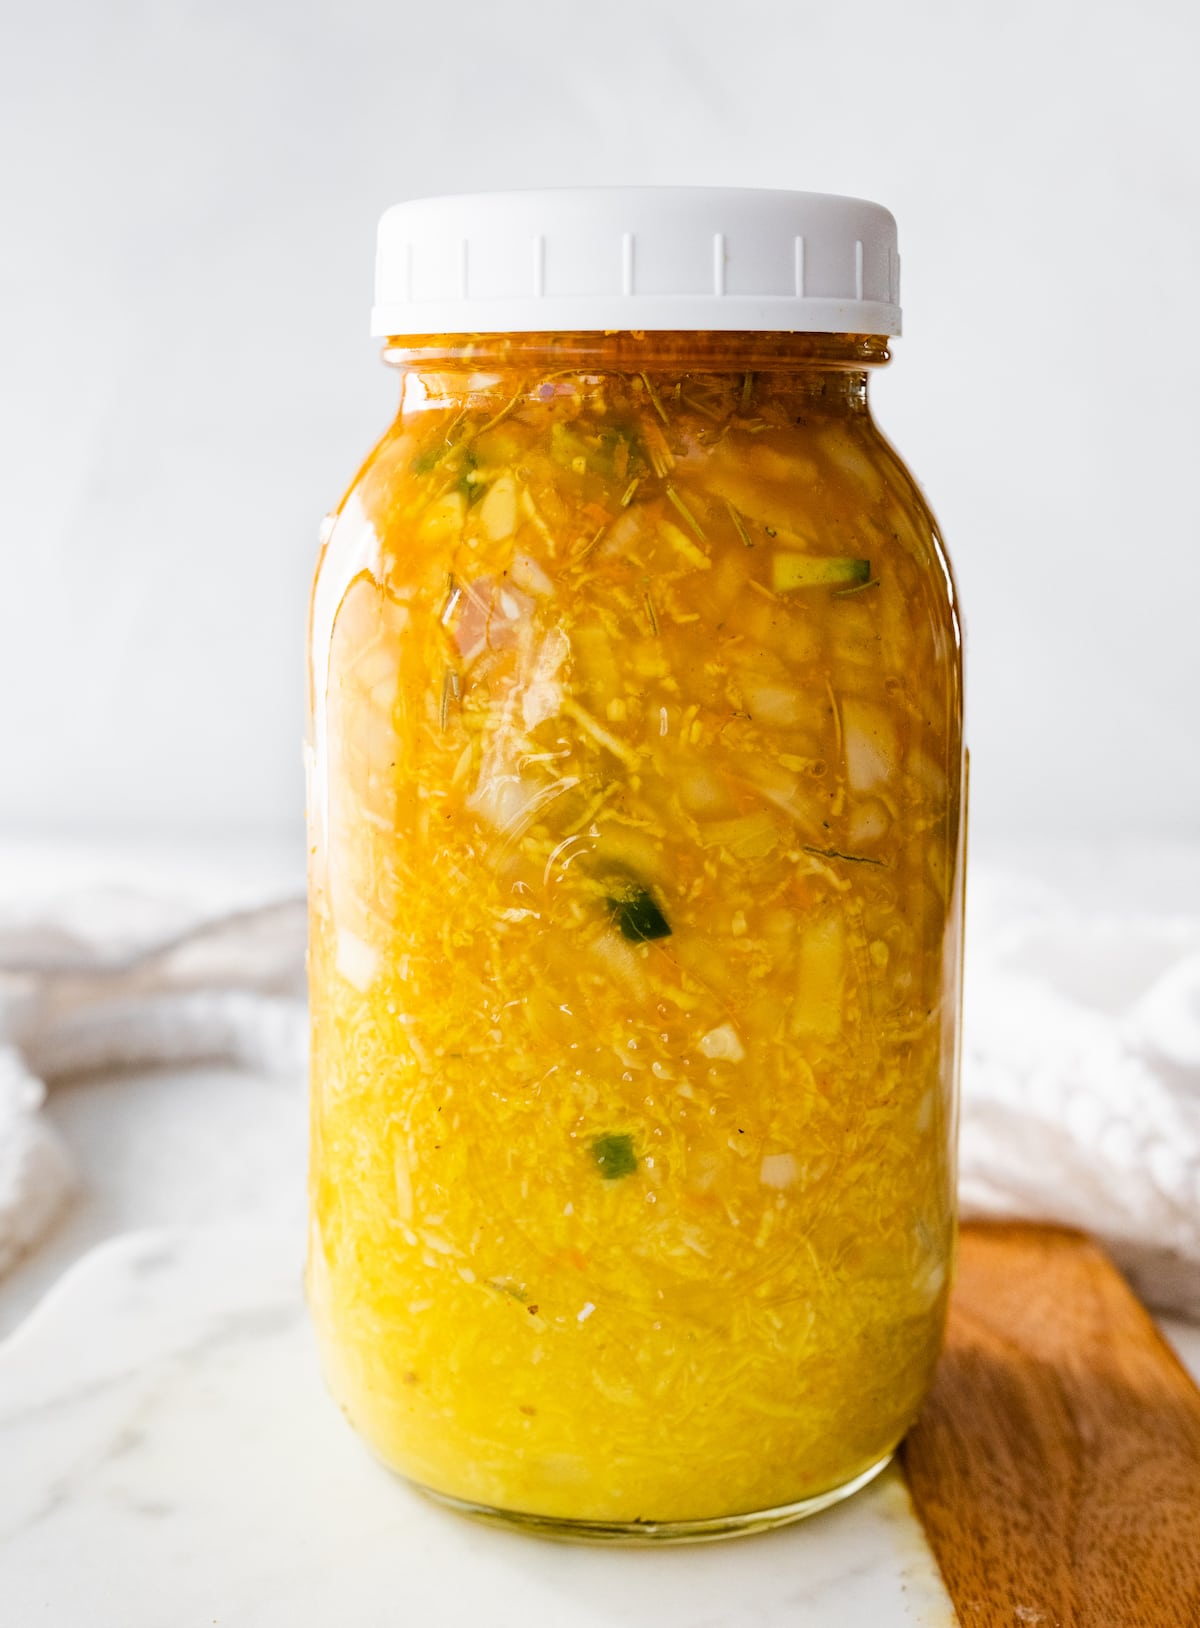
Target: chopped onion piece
(528, 574)
(871, 745)
(779, 1170)
(357, 961)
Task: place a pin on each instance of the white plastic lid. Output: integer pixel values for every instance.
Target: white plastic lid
(603, 259)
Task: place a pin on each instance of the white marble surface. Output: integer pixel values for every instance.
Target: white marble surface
(170, 1458)
(177, 1147)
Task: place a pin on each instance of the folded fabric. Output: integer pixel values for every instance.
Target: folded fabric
(1081, 1079)
(1081, 1056)
(35, 1168)
(101, 980)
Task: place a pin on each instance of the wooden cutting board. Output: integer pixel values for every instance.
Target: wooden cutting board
(1056, 1465)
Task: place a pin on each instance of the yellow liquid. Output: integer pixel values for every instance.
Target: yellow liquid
(636, 815)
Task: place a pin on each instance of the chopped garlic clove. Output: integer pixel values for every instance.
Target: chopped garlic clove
(442, 521)
(722, 1042)
(498, 511)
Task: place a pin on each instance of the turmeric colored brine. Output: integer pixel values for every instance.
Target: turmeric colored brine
(636, 813)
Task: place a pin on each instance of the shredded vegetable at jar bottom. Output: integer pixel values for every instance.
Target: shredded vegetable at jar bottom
(635, 807)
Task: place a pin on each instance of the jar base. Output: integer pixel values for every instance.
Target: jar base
(647, 1534)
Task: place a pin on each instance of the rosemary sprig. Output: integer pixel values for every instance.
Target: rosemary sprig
(738, 522)
(677, 503)
(654, 401)
(836, 853)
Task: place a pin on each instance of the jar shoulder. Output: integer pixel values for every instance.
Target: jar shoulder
(448, 489)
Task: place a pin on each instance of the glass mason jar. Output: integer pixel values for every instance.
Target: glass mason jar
(636, 807)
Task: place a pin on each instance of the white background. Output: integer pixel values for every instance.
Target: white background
(186, 384)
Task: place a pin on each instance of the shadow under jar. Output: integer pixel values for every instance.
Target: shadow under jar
(636, 814)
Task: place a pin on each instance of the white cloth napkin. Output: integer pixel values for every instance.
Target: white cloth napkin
(1081, 1057)
(1081, 1078)
(100, 979)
